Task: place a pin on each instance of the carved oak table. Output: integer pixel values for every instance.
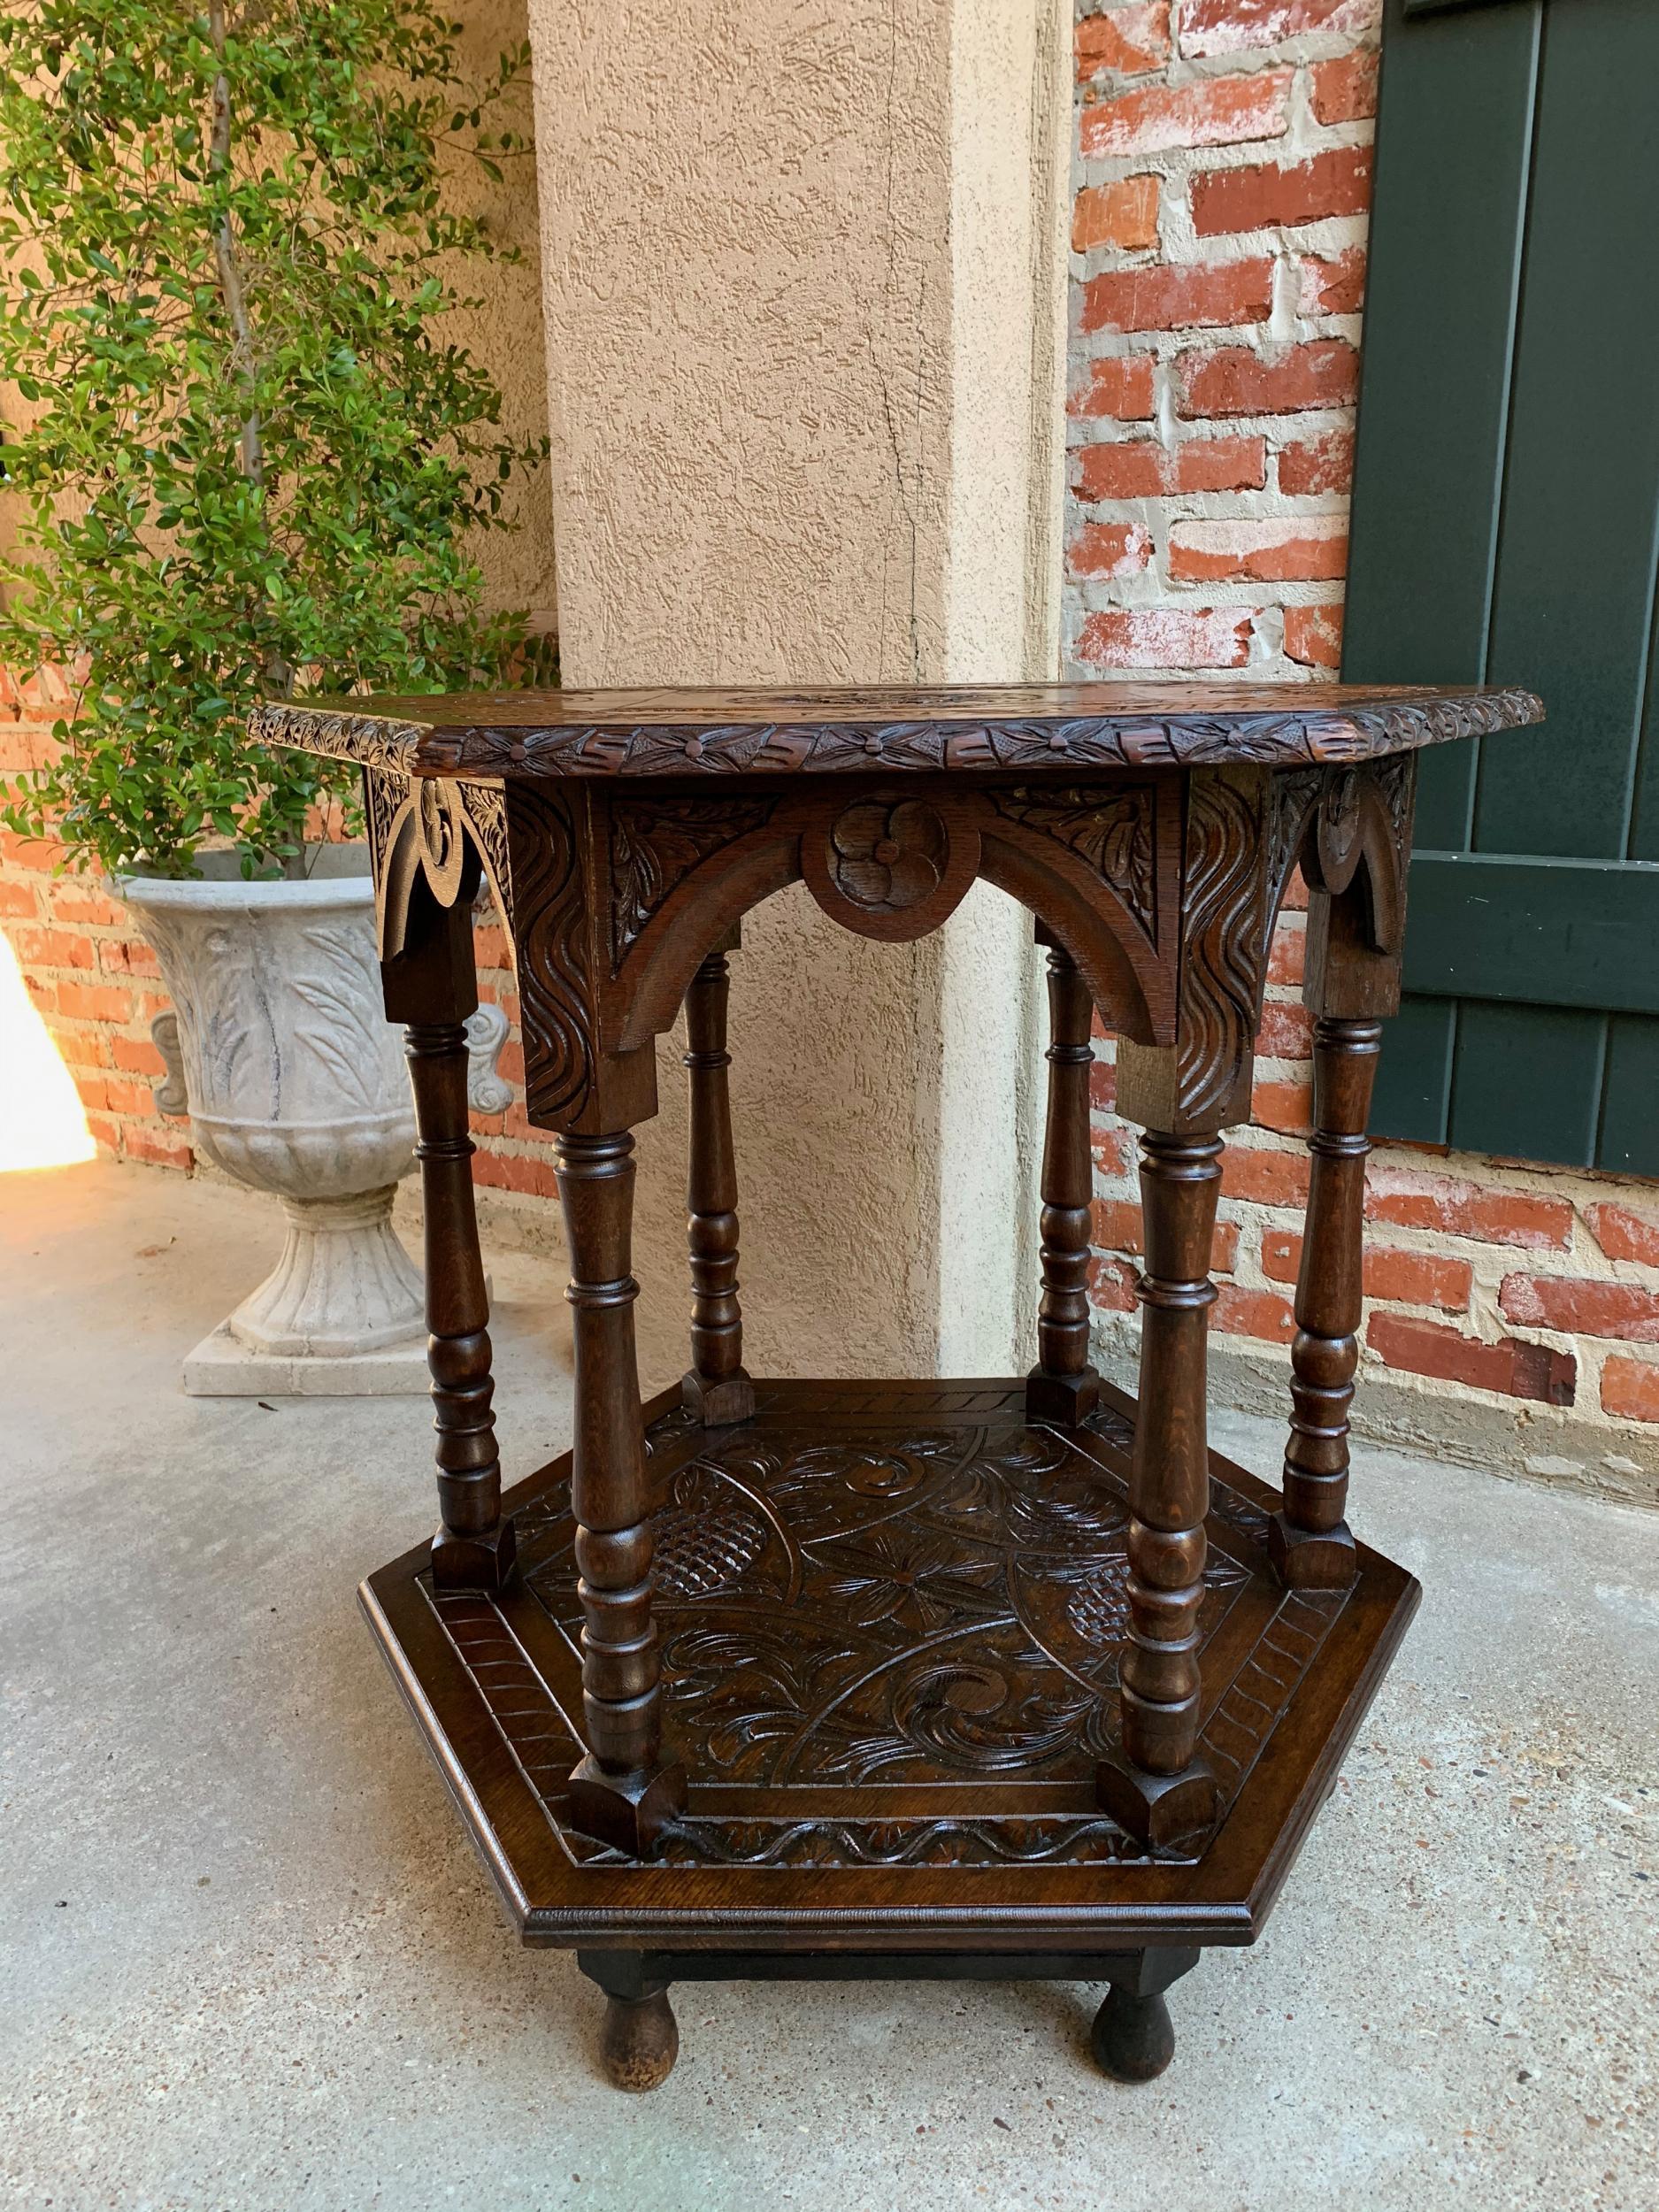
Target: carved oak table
(995, 1678)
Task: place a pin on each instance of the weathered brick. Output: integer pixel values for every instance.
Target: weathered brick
(1320, 463)
(1582, 1308)
(137, 1100)
(1141, 468)
(1313, 635)
(1108, 549)
(1186, 295)
(95, 1001)
(1411, 1199)
(80, 1048)
(1286, 956)
(1285, 1106)
(127, 955)
(1112, 1285)
(489, 947)
(1287, 1031)
(156, 1145)
(1334, 284)
(508, 1170)
(1263, 1178)
(1296, 898)
(1630, 1389)
(39, 855)
(1119, 386)
(1123, 213)
(1166, 637)
(53, 948)
(137, 1055)
(1509, 1367)
(1231, 26)
(1117, 1228)
(1237, 381)
(1409, 1278)
(1623, 1234)
(1263, 195)
(1113, 1149)
(1260, 1313)
(1128, 42)
(80, 904)
(1344, 90)
(1210, 112)
(1102, 1085)
(1309, 549)
(17, 901)
(105, 1134)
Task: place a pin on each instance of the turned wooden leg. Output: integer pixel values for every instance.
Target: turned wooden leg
(1310, 1540)
(622, 1792)
(1164, 1790)
(717, 1388)
(1133, 2038)
(639, 2040)
(1063, 1386)
(473, 1547)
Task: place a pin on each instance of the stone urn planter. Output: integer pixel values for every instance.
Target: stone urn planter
(295, 1084)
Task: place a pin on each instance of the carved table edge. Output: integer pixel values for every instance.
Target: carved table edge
(1280, 738)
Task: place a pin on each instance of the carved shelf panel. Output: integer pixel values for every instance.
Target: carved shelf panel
(890, 1616)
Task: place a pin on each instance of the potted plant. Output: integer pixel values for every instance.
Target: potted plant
(245, 458)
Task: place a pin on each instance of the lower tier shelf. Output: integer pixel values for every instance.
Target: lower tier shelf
(890, 1615)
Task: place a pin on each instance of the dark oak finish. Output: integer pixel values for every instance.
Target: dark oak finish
(1063, 1386)
(432, 987)
(718, 1386)
(1312, 1543)
(623, 1790)
(960, 1677)
(1162, 1788)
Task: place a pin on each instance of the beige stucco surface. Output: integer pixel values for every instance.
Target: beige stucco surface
(792, 265)
(501, 324)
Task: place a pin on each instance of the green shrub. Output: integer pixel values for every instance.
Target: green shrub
(246, 457)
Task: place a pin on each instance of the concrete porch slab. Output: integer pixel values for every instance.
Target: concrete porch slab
(251, 1960)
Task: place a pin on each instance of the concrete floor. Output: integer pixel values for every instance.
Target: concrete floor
(251, 1964)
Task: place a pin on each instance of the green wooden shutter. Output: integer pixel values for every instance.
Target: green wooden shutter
(1506, 524)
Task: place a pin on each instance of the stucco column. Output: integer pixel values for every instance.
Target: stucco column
(804, 282)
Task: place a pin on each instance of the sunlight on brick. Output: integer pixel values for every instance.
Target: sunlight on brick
(42, 1123)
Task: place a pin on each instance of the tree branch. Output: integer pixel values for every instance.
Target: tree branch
(225, 251)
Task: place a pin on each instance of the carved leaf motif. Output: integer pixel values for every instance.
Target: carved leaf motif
(906, 1646)
(350, 1040)
(1110, 826)
(1181, 729)
(655, 843)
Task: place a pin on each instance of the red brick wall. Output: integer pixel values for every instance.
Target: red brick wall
(1222, 182)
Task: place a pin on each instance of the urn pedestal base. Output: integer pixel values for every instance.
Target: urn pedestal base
(340, 1315)
(222, 1367)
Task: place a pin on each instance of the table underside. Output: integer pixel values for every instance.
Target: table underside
(890, 1615)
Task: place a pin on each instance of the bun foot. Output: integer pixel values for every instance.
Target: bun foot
(1131, 2038)
(639, 2042)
